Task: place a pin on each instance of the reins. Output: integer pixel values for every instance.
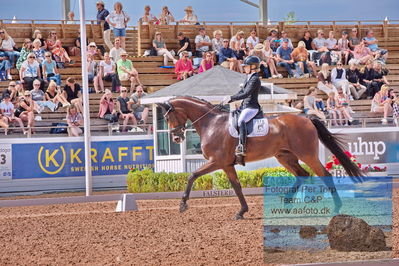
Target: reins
(202, 116)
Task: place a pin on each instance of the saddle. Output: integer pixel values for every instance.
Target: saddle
(258, 126)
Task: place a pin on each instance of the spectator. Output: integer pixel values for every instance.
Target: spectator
(49, 68)
(228, 59)
(184, 67)
(102, 14)
(382, 103)
(39, 98)
(319, 44)
(76, 48)
(343, 47)
(206, 63)
(184, 44)
(55, 96)
(118, 19)
(25, 111)
(74, 120)
(5, 65)
(148, 18)
(160, 47)
(38, 51)
(271, 59)
(367, 78)
(190, 18)
(332, 44)
(362, 53)
(353, 76)
(395, 106)
(126, 71)
(73, 94)
(23, 55)
(237, 43)
(379, 78)
(353, 39)
(7, 112)
(311, 104)
(260, 53)
(217, 41)
(273, 39)
(30, 71)
(166, 18)
(38, 35)
(52, 38)
(252, 40)
(324, 84)
(71, 18)
(125, 111)
(116, 51)
(7, 47)
(140, 111)
(107, 109)
(93, 50)
(300, 56)
(91, 68)
(3, 124)
(202, 43)
(285, 59)
(343, 106)
(372, 43)
(338, 79)
(60, 55)
(307, 39)
(333, 110)
(107, 72)
(284, 35)
(11, 91)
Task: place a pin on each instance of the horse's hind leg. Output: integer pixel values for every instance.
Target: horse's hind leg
(205, 169)
(235, 183)
(315, 164)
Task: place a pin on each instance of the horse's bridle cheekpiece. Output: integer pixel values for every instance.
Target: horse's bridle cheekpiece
(179, 130)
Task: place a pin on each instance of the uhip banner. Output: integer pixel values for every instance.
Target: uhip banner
(66, 159)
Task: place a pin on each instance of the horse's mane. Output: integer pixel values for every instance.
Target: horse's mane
(218, 106)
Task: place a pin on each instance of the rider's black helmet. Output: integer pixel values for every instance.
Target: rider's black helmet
(251, 60)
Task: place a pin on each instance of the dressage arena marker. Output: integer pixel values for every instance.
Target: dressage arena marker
(127, 203)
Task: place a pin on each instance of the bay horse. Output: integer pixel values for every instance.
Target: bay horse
(290, 138)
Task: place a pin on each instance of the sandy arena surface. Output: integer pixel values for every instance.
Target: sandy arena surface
(94, 234)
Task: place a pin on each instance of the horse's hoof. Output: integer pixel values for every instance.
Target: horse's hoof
(183, 207)
(239, 217)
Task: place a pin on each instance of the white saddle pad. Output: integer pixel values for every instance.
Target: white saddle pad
(260, 128)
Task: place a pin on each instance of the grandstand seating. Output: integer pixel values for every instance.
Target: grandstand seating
(154, 78)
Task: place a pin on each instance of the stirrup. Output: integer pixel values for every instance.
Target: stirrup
(240, 150)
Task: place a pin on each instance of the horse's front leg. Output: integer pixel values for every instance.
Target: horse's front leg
(235, 183)
(203, 170)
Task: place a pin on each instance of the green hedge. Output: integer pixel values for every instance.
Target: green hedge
(148, 181)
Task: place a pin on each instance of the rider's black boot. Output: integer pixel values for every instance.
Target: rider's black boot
(240, 150)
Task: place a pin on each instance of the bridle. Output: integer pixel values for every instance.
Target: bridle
(179, 130)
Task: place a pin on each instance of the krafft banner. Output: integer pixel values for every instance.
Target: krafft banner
(66, 159)
(371, 147)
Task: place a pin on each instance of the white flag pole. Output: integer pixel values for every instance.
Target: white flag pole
(86, 110)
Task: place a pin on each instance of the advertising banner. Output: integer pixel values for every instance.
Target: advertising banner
(66, 159)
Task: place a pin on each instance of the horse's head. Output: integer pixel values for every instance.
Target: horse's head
(176, 121)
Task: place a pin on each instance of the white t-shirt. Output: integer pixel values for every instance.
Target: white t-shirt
(192, 20)
(115, 54)
(107, 67)
(331, 43)
(200, 38)
(319, 42)
(234, 39)
(7, 44)
(7, 108)
(30, 69)
(252, 41)
(118, 19)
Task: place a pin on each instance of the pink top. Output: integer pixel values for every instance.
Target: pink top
(182, 66)
(359, 52)
(105, 105)
(208, 65)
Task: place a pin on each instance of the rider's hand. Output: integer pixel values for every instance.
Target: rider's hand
(226, 100)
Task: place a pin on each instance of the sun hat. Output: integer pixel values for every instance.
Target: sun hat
(188, 8)
(258, 47)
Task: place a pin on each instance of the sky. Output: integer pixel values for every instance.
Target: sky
(214, 10)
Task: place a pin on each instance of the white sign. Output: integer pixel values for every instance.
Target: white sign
(5, 162)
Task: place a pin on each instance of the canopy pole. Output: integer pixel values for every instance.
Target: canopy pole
(86, 110)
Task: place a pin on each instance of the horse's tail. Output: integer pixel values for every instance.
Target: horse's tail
(335, 145)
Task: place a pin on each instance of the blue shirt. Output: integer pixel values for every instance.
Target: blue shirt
(372, 47)
(49, 66)
(101, 15)
(225, 53)
(284, 53)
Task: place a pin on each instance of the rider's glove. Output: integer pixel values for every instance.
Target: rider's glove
(226, 100)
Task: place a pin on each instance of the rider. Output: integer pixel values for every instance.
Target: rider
(250, 105)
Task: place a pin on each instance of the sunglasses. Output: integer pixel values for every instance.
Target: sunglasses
(27, 95)
(53, 33)
(92, 46)
(32, 57)
(139, 91)
(36, 84)
(123, 91)
(1, 32)
(47, 56)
